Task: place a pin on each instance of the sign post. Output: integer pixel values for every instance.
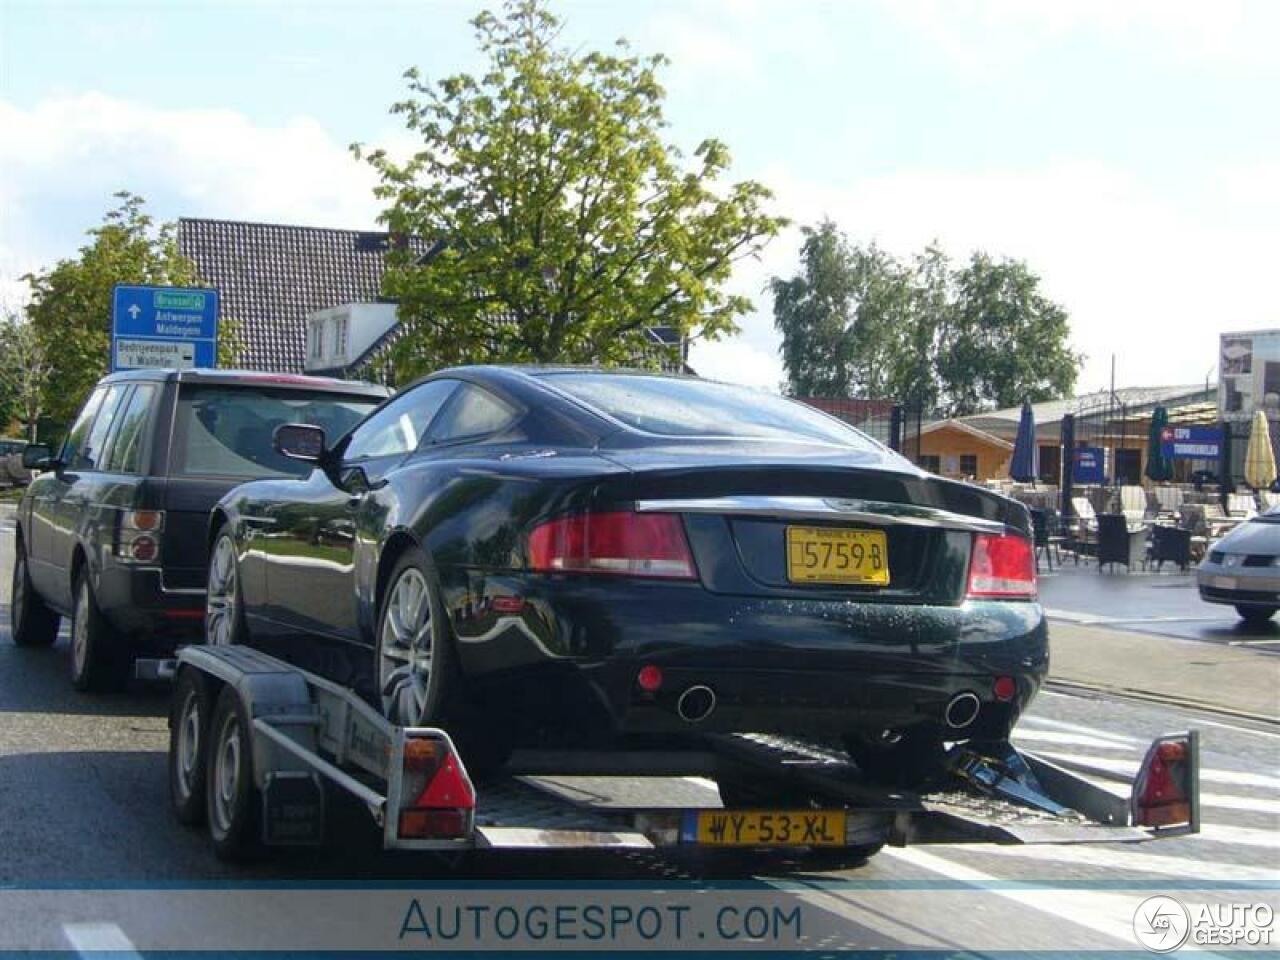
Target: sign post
(174, 327)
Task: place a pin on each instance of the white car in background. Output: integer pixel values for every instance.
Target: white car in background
(1243, 569)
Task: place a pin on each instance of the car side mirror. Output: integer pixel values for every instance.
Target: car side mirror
(299, 441)
(38, 456)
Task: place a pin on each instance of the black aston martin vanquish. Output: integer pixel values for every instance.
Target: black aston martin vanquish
(573, 556)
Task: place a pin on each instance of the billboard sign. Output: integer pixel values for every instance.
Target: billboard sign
(1088, 465)
(1191, 443)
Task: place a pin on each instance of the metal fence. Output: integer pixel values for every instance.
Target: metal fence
(894, 424)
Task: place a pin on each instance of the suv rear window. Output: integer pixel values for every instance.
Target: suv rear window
(680, 407)
(226, 431)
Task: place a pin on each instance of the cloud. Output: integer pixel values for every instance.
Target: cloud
(1149, 276)
(61, 160)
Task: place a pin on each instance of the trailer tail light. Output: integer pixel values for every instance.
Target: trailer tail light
(437, 800)
(651, 545)
(138, 536)
(1002, 566)
(1166, 792)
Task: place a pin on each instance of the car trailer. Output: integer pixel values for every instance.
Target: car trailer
(253, 741)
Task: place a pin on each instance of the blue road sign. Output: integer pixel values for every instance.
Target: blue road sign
(163, 327)
(1192, 443)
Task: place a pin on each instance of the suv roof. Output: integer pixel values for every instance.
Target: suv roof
(288, 381)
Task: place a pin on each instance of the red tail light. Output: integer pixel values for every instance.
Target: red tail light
(1002, 566)
(437, 798)
(630, 544)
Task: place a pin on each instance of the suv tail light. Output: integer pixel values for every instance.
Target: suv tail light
(138, 536)
(1002, 566)
(630, 544)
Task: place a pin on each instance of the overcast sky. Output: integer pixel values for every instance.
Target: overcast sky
(1128, 150)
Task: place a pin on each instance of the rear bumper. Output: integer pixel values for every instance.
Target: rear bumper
(150, 616)
(799, 667)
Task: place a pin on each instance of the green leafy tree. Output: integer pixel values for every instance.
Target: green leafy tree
(856, 321)
(24, 372)
(70, 304)
(566, 226)
(1007, 342)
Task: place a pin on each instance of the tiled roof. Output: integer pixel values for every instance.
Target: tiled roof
(271, 276)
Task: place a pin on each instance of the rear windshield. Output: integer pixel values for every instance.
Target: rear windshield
(226, 431)
(702, 408)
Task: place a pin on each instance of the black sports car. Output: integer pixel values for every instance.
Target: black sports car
(568, 555)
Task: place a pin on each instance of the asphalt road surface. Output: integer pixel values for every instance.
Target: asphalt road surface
(83, 802)
(1164, 602)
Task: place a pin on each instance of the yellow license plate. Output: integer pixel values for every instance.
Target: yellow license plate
(771, 828)
(827, 555)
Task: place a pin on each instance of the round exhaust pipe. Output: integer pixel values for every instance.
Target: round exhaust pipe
(962, 710)
(696, 703)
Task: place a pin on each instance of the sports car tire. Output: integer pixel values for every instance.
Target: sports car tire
(224, 621)
(31, 622)
(419, 680)
(98, 662)
(917, 757)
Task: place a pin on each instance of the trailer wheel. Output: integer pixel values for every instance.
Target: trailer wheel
(98, 661)
(31, 622)
(232, 800)
(189, 728)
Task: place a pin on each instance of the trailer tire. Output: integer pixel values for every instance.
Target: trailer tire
(31, 622)
(98, 661)
(189, 726)
(233, 807)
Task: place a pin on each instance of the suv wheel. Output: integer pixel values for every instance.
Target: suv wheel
(97, 662)
(32, 623)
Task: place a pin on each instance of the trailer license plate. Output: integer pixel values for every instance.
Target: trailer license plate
(771, 828)
(829, 555)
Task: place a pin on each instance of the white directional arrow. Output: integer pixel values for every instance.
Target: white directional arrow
(134, 311)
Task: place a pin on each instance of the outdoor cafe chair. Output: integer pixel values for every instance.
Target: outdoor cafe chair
(1170, 544)
(1133, 504)
(1118, 542)
(1045, 525)
(1241, 506)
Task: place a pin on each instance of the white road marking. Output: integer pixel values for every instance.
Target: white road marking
(89, 938)
(1130, 769)
(1202, 721)
(1244, 836)
(1036, 721)
(1126, 859)
(1070, 739)
(1228, 802)
(1108, 914)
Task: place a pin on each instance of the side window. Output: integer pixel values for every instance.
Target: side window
(473, 412)
(398, 427)
(80, 429)
(126, 447)
(91, 451)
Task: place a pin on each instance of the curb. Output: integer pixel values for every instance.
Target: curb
(1164, 699)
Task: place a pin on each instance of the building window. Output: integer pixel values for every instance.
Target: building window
(968, 464)
(931, 462)
(317, 341)
(340, 338)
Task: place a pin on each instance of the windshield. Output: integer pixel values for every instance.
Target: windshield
(677, 407)
(227, 431)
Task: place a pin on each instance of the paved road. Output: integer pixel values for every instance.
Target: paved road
(1165, 603)
(83, 802)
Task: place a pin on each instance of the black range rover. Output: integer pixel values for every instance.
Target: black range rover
(113, 531)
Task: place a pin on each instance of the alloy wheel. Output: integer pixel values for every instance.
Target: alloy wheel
(405, 649)
(220, 599)
(80, 630)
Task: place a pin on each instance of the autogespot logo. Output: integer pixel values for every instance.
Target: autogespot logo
(1161, 924)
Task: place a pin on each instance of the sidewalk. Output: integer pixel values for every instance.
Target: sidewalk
(1182, 672)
